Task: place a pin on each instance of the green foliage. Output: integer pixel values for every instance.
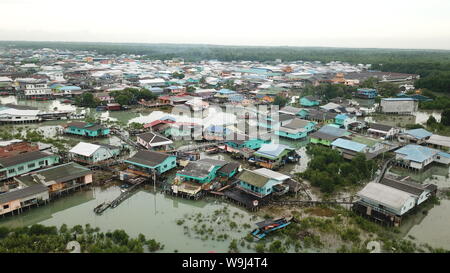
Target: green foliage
(44, 239)
(131, 96)
(136, 125)
(445, 117)
(277, 247)
(87, 99)
(438, 103)
(351, 235)
(431, 121)
(328, 170)
(281, 101)
(178, 75)
(329, 91)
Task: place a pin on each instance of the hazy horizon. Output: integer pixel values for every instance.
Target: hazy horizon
(344, 24)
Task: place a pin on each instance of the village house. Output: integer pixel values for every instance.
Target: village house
(146, 163)
(240, 141)
(290, 110)
(309, 101)
(349, 148)
(327, 134)
(417, 136)
(216, 132)
(366, 93)
(90, 153)
(344, 120)
(296, 129)
(59, 179)
(388, 201)
(201, 171)
(86, 129)
(15, 114)
(25, 162)
(381, 130)
(16, 146)
(418, 157)
(154, 141)
(19, 199)
(261, 182)
(320, 116)
(399, 105)
(272, 156)
(383, 203)
(439, 142)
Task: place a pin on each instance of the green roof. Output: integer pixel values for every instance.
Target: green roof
(252, 178)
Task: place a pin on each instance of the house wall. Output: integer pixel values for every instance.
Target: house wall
(9, 206)
(397, 106)
(267, 189)
(299, 135)
(86, 132)
(31, 166)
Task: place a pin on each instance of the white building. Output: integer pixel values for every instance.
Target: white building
(399, 105)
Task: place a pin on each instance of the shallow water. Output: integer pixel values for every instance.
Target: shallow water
(146, 212)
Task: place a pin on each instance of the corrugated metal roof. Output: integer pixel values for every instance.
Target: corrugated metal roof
(385, 195)
(349, 145)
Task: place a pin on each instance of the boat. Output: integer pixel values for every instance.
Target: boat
(268, 226)
(102, 207)
(67, 101)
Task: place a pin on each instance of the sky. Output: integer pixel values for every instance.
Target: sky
(344, 23)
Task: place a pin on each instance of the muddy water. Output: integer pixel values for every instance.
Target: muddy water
(432, 227)
(152, 214)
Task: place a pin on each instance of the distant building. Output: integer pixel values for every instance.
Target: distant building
(146, 162)
(348, 148)
(25, 162)
(59, 179)
(86, 129)
(154, 141)
(309, 101)
(90, 153)
(296, 129)
(366, 93)
(16, 146)
(399, 105)
(417, 157)
(417, 136)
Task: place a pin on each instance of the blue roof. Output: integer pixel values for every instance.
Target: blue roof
(334, 131)
(272, 150)
(418, 133)
(68, 88)
(226, 91)
(341, 116)
(349, 145)
(419, 153)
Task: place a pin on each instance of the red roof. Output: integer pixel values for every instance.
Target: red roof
(156, 122)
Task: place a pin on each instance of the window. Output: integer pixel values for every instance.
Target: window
(20, 168)
(31, 165)
(42, 162)
(165, 166)
(6, 207)
(12, 171)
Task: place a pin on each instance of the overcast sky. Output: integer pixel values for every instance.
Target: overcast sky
(343, 23)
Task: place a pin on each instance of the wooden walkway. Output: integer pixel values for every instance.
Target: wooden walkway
(124, 195)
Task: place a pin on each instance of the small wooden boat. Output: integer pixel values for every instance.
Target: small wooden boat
(102, 207)
(268, 226)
